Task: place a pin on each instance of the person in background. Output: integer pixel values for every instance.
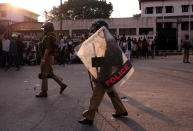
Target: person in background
(153, 47)
(128, 47)
(145, 45)
(135, 49)
(1, 53)
(139, 45)
(5, 50)
(20, 49)
(13, 52)
(122, 43)
(186, 46)
(61, 50)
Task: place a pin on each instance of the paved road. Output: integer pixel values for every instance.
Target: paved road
(159, 98)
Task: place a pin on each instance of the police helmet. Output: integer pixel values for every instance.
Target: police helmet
(48, 27)
(97, 25)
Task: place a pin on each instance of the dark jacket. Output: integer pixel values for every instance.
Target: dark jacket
(13, 47)
(186, 44)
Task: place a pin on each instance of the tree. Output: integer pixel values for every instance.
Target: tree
(137, 15)
(81, 9)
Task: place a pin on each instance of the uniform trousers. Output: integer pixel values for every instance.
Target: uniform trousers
(47, 70)
(97, 96)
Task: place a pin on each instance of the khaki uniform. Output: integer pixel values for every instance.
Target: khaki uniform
(47, 69)
(99, 92)
(111, 62)
(97, 96)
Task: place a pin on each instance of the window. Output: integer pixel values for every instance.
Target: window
(3, 14)
(192, 8)
(169, 9)
(168, 25)
(185, 8)
(159, 26)
(191, 25)
(145, 31)
(80, 32)
(185, 25)
(159, 10)
(113, 31)
(127, 31)
(149, 10)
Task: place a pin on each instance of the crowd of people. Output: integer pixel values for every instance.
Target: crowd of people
(133, 48)
(21, 53)
(15, 51)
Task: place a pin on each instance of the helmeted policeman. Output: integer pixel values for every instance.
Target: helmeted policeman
(99, 90)
(47, 52)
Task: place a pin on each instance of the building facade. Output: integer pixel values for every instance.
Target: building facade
(29, 30)
(174, 20)
(15, 14)
(134, 27)
(10, 15)
(166, 20)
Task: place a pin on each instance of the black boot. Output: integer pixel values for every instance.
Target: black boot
(42, 94)
(85, 121)
(62, 88)
(120, 115)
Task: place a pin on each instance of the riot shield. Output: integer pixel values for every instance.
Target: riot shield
(104, 59)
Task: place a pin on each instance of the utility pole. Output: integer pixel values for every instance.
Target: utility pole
(60, 16)
(189, 21)
(46, 15)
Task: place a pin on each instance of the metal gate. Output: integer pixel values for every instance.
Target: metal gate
(167, 39)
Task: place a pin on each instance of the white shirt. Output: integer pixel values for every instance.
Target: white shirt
(70, 42)
(5, 45)
(62, 41)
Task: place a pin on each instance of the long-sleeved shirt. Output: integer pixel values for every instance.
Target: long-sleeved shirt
(5, 45)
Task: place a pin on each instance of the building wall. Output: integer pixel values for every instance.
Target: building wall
(176, 17)
(28, 29)
(175, 3)
(14, 14)
(114, 24)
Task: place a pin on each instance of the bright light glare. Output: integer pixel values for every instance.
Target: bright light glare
(122, 8)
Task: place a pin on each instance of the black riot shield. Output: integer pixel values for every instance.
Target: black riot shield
(104, 59)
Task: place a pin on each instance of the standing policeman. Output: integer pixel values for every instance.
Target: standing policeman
(98, 88)
(47, 51)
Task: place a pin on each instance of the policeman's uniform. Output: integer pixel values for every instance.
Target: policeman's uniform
(99, 91)
(97, 96)
(46, 69)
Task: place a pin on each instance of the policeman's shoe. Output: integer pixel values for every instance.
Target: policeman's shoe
(120, 115)
(85, 121)
(42, 94)
(40, 76)
(62, 88)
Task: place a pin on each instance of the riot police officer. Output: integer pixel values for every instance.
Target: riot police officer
(99, 90)
(47, 52)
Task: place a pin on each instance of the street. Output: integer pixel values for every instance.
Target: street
(158, 97)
